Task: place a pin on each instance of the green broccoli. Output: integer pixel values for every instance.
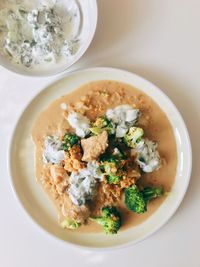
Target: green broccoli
(102, 124)
(110, 220)
(113, 179)
(116, 159)
(112, 167)
(111, 170)
(69, 141)
(70, 224)
(134, 200)
(133, 136)
(108, 157)
(149, 193)
(137, 201)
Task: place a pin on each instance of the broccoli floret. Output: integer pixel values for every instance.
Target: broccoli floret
(149, 193)
(133, 136)
(117, 160)
(134, 200)
(111, 171)
(102, 124)
(108, 157)
(70, 224)
(137, 201)
(69, 141)
(113, 179)
(110, 220)
(112, 167)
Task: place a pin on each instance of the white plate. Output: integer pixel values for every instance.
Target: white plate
(36, 202)
(88, 13)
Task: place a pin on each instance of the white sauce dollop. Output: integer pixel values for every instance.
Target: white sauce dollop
(147, 155)
(53, 152)
(124, 116)
(80, 123)
(83, 183)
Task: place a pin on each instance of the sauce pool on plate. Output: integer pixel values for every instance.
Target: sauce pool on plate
(93, 100)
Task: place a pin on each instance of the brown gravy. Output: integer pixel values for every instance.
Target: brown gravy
(153, 120)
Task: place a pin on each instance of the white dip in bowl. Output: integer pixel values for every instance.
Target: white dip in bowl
(41, 38)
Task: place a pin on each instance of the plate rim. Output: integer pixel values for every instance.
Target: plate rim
(84, 247)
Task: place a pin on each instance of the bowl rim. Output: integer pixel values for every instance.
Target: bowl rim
(14, 69)
(96, 248)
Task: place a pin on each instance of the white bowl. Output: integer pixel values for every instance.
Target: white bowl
(88, 12)
(31, 195)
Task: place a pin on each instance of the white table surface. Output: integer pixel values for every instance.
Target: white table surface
(159, 40)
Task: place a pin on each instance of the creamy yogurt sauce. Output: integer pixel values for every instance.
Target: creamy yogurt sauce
(80, 123)
(83, 183)
(148, 157)
(41, 35)
(53, 152)
(124, 116)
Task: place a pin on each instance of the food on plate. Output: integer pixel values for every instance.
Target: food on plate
(106, 156)
(41, 35)
(137, 201)
(110, 219)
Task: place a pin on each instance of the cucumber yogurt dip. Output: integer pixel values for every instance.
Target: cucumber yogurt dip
(43, 34)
